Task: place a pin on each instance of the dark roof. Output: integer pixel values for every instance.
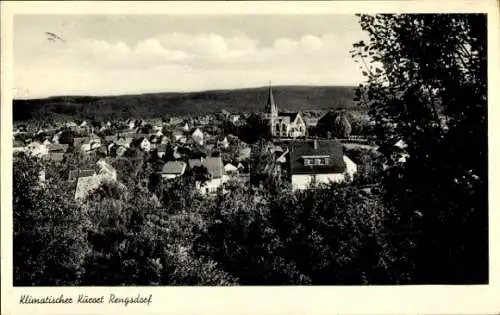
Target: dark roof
(174, 167)
(291, 115)
(214, 165)
(18, 143)
(194, 162)
(74, 174)
(162, 148)
(56, 156)
(331, 148)
(78, 141)
(111, 138)
(57, 147)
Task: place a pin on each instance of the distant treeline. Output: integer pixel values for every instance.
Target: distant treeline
(288, 98)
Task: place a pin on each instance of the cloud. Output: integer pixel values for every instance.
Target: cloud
(179, 61)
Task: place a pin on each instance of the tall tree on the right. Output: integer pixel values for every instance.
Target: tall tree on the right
(427, 86)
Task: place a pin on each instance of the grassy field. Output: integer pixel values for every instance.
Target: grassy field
(288, 98)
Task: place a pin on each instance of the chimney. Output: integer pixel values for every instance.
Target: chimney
(315, 141)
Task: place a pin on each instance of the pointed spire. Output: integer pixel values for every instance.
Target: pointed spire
(271, 105)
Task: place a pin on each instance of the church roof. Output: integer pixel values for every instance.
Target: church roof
(292, 116)
(271, 105)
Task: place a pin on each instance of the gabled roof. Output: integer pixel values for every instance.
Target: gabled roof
(162, 148)
(194, 163)
(57, 147)
(292, 116)
(74, 174)
(78, 141)
(18, 144)
(174, 167)
(331, 148)
(84, 185)
(214, 166)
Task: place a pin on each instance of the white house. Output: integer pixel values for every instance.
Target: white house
(145, 145)
(56, 137)
(37, 149)
(90, 145)
(197, 136)
(318, 161)
(230, 169)
(224, 143)
(216, 172)
(91, 180)
(185, 127)
(173, 169)
(131, 124)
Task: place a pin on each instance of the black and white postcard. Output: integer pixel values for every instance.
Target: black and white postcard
(249, 157)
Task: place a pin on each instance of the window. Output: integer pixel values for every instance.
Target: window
(307, 162)
(317, 161)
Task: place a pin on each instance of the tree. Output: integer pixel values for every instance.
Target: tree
(49, 230)
(426, 85)
(342, 127)
(331, 235)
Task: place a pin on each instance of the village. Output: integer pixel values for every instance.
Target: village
(188, 146)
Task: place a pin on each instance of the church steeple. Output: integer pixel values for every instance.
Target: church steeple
(271, 107)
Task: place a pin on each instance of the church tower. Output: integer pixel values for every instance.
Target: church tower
(271, 110)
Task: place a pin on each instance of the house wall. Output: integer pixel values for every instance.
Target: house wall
(212, 185)
(169, 176)
(303, 181)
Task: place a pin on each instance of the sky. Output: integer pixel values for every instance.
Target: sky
(120, 54)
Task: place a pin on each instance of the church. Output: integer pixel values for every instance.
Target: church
(284, 125)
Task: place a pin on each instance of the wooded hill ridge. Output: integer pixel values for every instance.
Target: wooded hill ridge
(288, 98)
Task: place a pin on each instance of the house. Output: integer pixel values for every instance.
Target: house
(244, 154)
(234, 118)
(105, 170)
(224, 143)
(284, 125)
(216, 172)
(85, 185)
(173, 169)
(186, 127)
(142, 143)
(230, 169)
(57, 157)
(56, 147)
(89, 180)
(124, 142)
(75, 174)
(161, 149)
(318, 161)
(71, 124)
(178, 136)
(18, 146)
(56, 137)
(226, 113)
(131, 124)
(120, 151)
(37, 149)
(197, 136)
(109, 139)
(78, 141)
(90, 146)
